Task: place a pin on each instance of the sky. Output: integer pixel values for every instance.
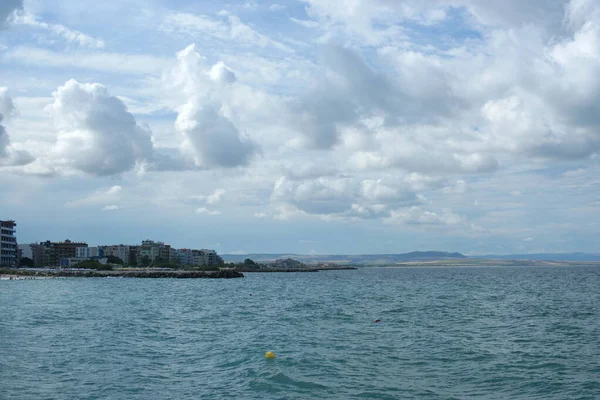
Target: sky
(304, 126)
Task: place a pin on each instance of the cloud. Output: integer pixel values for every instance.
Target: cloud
(347, 92)
(211, 199)
(96, 133)
(343, 197)
(70, 35)
(8, 8)
(378, 22)
(211, 139)
(305, 23)
(96, 61)
(418, 216)
(9, 156)
(277, 7)
(206, 211)
(103, 197)
(232, 30)
(222, 74)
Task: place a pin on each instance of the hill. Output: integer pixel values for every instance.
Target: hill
(360, 259)
(545, 257)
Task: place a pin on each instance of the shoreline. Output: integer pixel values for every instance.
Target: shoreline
(307, 269)
(16, 274)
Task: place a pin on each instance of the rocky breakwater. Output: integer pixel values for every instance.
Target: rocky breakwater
(223, 274)
(145, 273)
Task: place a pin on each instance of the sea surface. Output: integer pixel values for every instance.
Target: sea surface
(445, 333)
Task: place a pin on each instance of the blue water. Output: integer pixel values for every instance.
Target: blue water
(457, 333)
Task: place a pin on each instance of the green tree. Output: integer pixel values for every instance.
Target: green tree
(93, 264)
(26, 262)
(145, 261)
(220, 260)
(249, 263)
(114, 260)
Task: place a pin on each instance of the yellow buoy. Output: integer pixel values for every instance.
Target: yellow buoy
(270, 354)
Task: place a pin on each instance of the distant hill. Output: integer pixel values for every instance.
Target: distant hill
(545, 257)
(366, 259)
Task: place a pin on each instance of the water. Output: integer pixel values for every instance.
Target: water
(457, 333)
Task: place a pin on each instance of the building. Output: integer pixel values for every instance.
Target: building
(120, 251)
(50, 254)
(8, 244)
(150, 249)
(211, 256)
(133, 255)
(89, 252)
(26, 250)
(173, 255)
(156, 250)
(41, 254)
(204, 257)
(185, 256)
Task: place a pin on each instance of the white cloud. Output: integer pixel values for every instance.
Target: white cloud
(211, 139)
(103, 197)
(97, 61)
(418, 216)
(70, 35)
(222, 74)
(96, 133)
(210, 199)
(277, 7)
(304, 23)
(342, 197)
(231, 29)
(9, 155)
(206, 211)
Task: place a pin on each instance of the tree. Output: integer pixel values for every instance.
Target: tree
(145, 261)
(93, 264)
(220, 261)
(114, 260)
(249, 263)
(26, 262)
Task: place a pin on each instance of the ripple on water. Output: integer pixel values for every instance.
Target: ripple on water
(489, 333)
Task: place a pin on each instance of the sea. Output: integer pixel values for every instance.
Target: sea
(443, 333)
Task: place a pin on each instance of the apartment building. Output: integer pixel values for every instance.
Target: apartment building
(89, 252)
(51, 253)
(8, 244)
(120, 250)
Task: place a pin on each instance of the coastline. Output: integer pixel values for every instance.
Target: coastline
(146, 274)
(307, 269)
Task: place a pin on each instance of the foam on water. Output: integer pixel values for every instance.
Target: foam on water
(490, 333)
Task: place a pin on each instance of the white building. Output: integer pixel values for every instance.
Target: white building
(120, 251)
(205, 257)
(88, 252)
